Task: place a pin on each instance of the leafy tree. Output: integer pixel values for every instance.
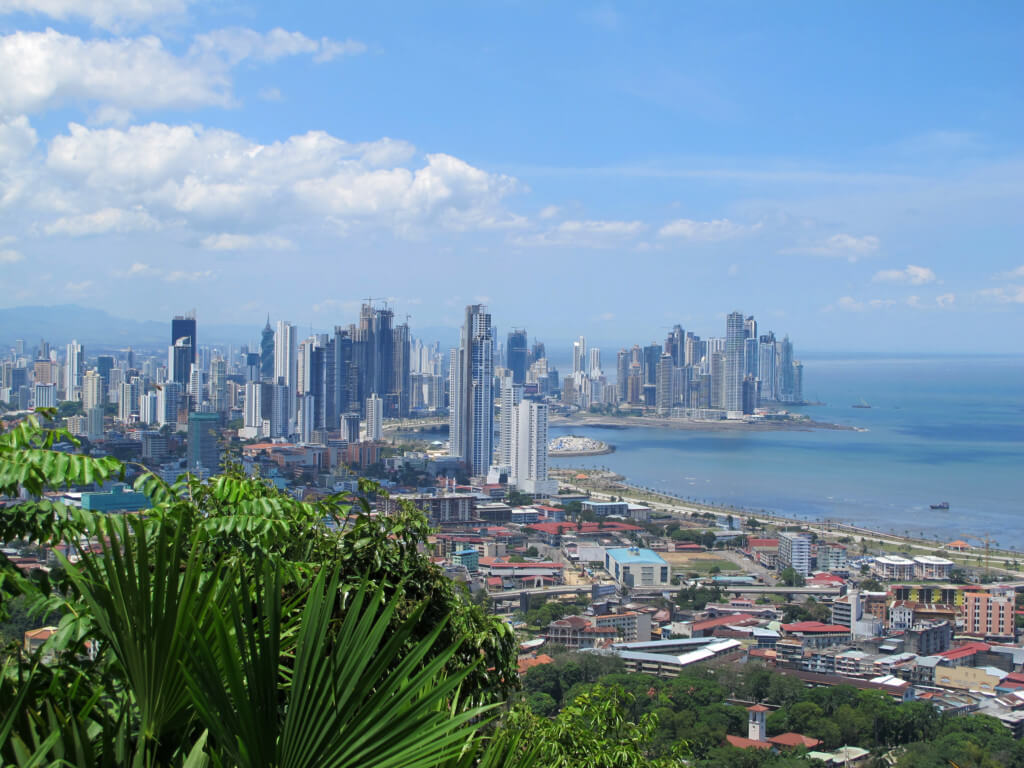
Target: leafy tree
(791, 578)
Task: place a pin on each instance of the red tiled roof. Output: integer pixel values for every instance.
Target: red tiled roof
(493, 565)
(536, 661)
(758, 708)
(963, 651)
(724, 621)
(751, 543)
(742, 742)
(814, 626)
(494, 581)
(794, 740)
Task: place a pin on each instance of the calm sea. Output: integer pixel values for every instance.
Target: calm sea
(939, 429)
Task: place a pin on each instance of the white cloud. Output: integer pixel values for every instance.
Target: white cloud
(41, 70)
(107, 14)
(211, 182)
(841, 245)
(102, 221)
(706, 231)
(850, 304)
(549, 212)
(1013, 274)
(10, 256)
(44, 70)
(1008, 294)
(585, 234)
(945, 299)
(235, 242)
(178, 276)
(237, 44)
(270, 94)
(79, 287)
(912, 274)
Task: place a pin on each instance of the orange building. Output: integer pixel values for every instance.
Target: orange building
(989, 616)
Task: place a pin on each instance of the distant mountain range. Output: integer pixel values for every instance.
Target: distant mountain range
(99, 330)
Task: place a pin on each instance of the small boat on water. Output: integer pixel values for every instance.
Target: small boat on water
(940, 505)
(862, 404)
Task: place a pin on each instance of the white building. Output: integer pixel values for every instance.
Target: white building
(635, 567)
(253, 412)
(529, 449)
(73, 377)
(511, 396)
(167, 401)
(286, 362)
(374, 418)
(94, 422)
(148, 408)
(795, 552)
(92, 390)
(45, 396)
(893, 568)
(471, 420)
(932, 568)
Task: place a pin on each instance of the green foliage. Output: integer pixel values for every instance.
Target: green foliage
(697, 597)
(791, 578)
(183, 634)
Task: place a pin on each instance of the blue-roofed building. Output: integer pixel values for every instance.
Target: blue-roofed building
(468, 558)
(118, 499)
(636, 567)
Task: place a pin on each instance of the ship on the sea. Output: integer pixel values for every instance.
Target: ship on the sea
(862, 404)
(940, 505)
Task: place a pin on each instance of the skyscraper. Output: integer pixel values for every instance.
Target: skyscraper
(785, 371)
(511, 396)
(516, 353)
(286, 361)
(529, 449)
(267, 352)
(180, 357)
(184, 327)
(664, 392)
(471, 430)
(579, 355)
(75, 369)
(92, 390)
(735, 335)
(203, 451)
(622, 374)
(374, 418)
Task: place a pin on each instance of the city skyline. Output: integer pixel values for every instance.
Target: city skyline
(836, 194)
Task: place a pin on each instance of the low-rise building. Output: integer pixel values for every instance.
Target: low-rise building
(636, 567)
(933, 568)
(893, 568)
(631, 626)
(989, 615)
(118, 499)
(981, 679)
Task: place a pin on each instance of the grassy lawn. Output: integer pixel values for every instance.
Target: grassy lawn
(703, 566)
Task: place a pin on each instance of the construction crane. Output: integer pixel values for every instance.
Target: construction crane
(988, 542)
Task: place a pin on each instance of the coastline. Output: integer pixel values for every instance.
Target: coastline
(658, 422)
(606, 484)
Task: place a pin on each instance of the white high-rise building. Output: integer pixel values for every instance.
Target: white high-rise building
(253, 413)
(73, 376)
(286, 362)
(94, 422)
(307, 418)
(148, 408)
(511, 396)
(168, 400)
(735, 335)
(595, 363)
(529, 467)
(579, 355)
(471, 423)
(374, 418)
(92, 390)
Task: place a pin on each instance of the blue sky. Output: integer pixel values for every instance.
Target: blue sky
(850, 173)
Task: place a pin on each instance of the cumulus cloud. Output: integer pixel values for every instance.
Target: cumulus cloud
(841, 245)
(585, 233)
(706, 231)
(44, 70)
(913, 275)
(235, 242)
(102, 221)
(1013, 274)
(178, 276)
(214, 183)
(10, 256)
(945, 299)
(106, 14)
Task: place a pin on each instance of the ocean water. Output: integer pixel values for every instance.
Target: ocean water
(939, 429)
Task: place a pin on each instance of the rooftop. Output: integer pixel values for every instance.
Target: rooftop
(636, 555)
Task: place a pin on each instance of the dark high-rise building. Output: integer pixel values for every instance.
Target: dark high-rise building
(675, 345)
(184, 326)
(373, 353)
(267, 352)
(471, 416)
(537, 352)
(104, 364)
(180, 362)
(345, 375)
(516, 355)
(651, 356)
(622, 375)
(252, 366)
(399, 388)
(203, 451)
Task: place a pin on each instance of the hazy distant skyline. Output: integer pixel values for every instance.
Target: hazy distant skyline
(852, 175)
